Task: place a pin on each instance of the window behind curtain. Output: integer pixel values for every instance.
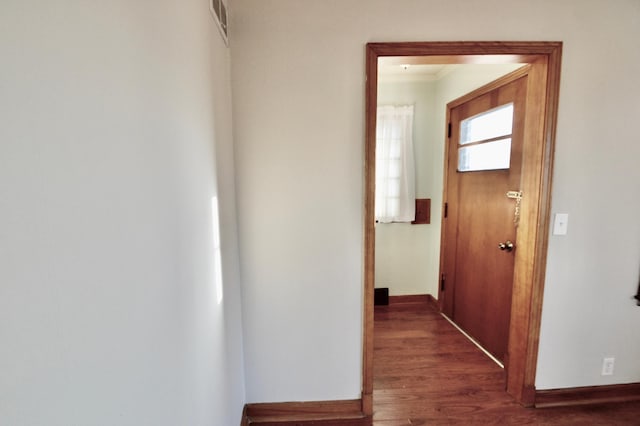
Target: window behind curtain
(395, 168)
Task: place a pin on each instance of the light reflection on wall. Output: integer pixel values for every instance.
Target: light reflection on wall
(217, 256)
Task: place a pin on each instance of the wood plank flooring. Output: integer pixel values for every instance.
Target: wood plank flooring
(427, 373)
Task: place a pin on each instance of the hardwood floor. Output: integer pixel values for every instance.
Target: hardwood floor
(427, 372)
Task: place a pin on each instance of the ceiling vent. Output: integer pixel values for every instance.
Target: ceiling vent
(219, 11)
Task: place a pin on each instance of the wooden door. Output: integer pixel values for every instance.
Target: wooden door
(480, 238)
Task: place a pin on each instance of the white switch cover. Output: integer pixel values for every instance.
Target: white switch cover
(560, 224)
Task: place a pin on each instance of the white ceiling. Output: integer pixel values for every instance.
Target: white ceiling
(390, 69)
(427, 68)
(426, 72)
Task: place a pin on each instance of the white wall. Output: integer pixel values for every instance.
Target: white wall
(404, 252)
(298, 81)
(116, 134)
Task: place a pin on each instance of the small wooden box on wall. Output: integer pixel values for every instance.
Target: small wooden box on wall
(423, 211)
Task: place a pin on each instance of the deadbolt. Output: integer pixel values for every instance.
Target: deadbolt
(506, 246)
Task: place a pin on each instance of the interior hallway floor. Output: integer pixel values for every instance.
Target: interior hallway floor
(427, 373)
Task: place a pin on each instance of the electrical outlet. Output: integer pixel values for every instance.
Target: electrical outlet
(607, 366)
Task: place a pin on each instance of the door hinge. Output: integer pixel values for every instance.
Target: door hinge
(449, 130)
(443, 278)
(446, 210)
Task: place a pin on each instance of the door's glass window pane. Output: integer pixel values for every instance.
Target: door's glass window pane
(494, 155)
(487, 125)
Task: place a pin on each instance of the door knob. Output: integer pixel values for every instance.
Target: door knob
(506, 246)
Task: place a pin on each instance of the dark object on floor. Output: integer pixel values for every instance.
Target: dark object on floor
(381, 296)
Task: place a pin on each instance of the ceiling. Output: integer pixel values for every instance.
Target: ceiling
(430, 68)
(392, 68)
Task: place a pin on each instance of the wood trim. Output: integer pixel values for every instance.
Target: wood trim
(244, 421)
(367, 404)
(409, 298)
(554, 60)
(545, 58)
(426, 299)
(530, 236)
(312, 412)
(587, 395)
(369, 229)
(444, 305)
(467, 52)
(433, 302)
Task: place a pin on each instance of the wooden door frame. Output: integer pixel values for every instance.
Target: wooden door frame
(530, 262)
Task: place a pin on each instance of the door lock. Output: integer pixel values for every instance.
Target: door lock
(506, 246)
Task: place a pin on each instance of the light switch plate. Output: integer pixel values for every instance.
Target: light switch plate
(560, 223)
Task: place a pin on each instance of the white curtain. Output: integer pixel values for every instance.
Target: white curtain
(395, 167)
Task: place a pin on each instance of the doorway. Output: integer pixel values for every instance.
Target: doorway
(542, 89)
